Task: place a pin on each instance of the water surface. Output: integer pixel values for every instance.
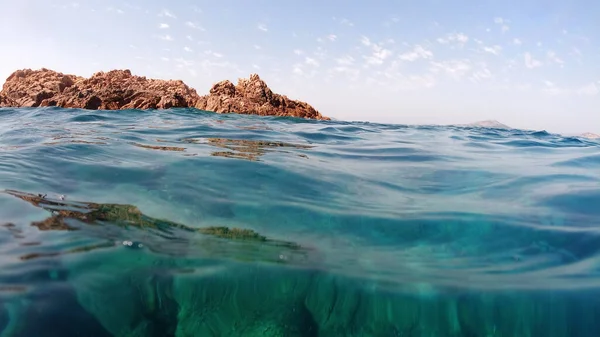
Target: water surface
(188, 223)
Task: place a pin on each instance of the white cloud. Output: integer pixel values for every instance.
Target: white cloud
(332, 37)
(480, 75)
(552, 89)
(530, 62)
(263, 27)
(591, 89)
(493, 50)
(347, 22)
(311, 61)
(502, 22)
(188, 49)
(345, 60)
(425, 81)
(351, 73)
(167, 13)
(456, 38)
(343, 21)
(298, 52)
(454, 68)
(193, 25)
(297, 70)
(418, 52)
(257, 47)
(166, 37)
(365, 41)
(166, 59)
(553, 58)
(163, 26)
(517, 41)
(181, 62)
(379, 55)
(116, 10)
(189, 37)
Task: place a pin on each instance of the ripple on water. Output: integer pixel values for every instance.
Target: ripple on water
(309, 228)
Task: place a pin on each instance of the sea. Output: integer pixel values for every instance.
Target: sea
(188, 223)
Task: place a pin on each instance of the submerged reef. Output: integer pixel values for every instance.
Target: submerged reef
(120, 90)
(148, 292)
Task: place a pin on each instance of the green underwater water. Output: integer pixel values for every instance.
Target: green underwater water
(187, 223)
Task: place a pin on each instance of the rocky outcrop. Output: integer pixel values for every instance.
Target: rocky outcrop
(119, 89)
(113, 90)
(253, 96)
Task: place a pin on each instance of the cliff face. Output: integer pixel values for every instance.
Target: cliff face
(253, 96)
(119, 89)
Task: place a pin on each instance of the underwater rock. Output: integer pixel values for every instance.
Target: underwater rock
(253, 96)
(252, 245)
(133, 292)
(244, 148)
(119, 90)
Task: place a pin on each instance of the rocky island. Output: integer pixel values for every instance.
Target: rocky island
(120, 89)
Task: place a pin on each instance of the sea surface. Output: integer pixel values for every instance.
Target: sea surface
(188, 223)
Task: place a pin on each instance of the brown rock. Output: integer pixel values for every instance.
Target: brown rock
(28, 88)
(119, 89)
(113, 90)
(253, 96)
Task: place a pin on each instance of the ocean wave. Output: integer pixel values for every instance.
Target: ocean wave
(432, 204)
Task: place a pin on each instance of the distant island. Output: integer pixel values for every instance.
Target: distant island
(590, 135)
(119, 90)
(486, 124)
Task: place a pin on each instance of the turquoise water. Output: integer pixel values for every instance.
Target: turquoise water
(187, 223)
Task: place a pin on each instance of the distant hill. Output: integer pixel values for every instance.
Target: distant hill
(486, 124)
(589, 135)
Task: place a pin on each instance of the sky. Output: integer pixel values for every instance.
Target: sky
(528, 64)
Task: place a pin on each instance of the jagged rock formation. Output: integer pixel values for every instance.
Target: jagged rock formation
(253, 96)
(119, 89)
(113, 90)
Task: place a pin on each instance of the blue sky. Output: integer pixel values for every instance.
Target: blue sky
(529, 64)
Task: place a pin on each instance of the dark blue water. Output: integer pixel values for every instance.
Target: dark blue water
(188, 223)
